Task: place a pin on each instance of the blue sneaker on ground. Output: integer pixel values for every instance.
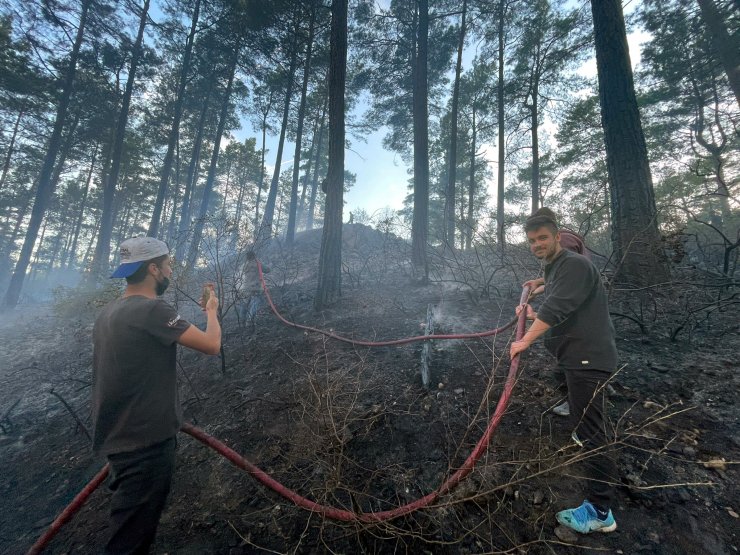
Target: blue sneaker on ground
(585, 519)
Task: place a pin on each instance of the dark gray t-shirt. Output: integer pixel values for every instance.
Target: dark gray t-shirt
(575, 305)
(134, 399)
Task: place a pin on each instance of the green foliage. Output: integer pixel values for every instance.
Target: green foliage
(19, 80)
(691, 123)
(386, 37)
(687, 109)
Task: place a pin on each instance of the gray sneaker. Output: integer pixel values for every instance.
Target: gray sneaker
(563, 409)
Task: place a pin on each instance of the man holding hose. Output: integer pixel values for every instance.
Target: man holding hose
(571, 241)
(574, 317)
(135, 407)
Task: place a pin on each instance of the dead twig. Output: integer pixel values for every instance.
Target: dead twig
(71, 411)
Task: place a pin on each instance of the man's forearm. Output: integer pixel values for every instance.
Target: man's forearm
(537, 329)
(213, 328)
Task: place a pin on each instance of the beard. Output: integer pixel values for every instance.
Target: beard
(162, 286)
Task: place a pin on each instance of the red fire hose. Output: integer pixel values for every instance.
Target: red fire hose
(69, 511)
(324, 510)
(363, 343)
(342, 514)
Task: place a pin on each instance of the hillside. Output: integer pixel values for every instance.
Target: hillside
(353, 427)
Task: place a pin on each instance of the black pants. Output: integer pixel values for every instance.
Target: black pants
(561, 384)
(587, 398)
(140, 482)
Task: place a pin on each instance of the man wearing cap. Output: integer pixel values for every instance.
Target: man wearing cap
(135, 407)
(575, 316)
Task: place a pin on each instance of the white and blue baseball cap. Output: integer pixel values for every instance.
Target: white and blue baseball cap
(134, 252)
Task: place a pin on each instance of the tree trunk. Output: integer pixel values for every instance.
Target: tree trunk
(9, 246)
(227, 185)
(471, 186)
(88, 251)
(265, 229)
(330, 258)
(67, 246)
(714, 143)
(449, 214)
(635, 233)
(44, 189)
(192, 177)
(301, 220)
(64, 151)
(35, 263)
(729, 53)
(420, 221)
(102, 249)
(265, 111)
(175, 129)
(71, 257)
(200, 222)
(241, 183)
(500, 228)
(54, 253)
(9, 155)
(262, 176)
(533, 108)
(316, 169)
(173, 214)
(293, 208)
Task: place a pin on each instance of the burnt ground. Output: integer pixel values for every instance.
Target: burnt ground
(353, 427)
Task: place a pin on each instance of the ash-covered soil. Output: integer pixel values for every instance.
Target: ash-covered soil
(353, 427)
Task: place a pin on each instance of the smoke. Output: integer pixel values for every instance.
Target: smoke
(455, 313)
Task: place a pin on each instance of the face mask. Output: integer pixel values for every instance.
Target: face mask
(162, 286)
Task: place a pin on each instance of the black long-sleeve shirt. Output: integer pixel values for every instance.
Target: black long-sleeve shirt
(575, 305)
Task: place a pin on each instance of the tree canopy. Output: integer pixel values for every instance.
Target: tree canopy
(163, 116)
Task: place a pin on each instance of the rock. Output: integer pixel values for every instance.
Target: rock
(566, 535)
(689, 451)
(458, 391)
(675, 449)
(538, 497)
(653, 537)
(732, 513)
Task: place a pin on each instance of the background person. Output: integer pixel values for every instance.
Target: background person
(251, 295)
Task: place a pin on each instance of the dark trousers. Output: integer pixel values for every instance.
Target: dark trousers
(561, 384)
(140, 482)
(587, 398)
